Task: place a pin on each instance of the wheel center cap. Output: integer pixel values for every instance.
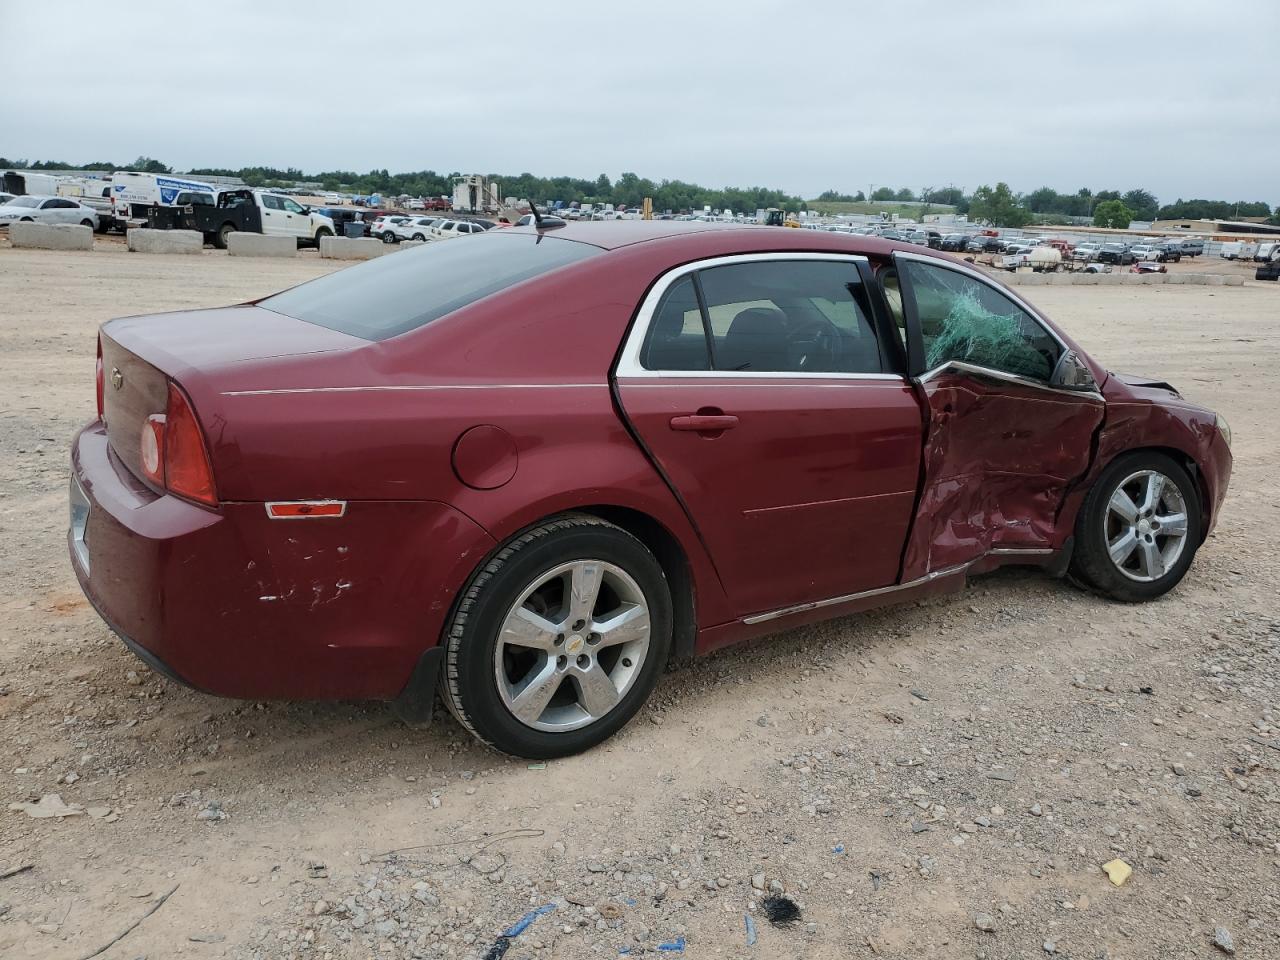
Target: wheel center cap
(1144, 527)
(574, 644)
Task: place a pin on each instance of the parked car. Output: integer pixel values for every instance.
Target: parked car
(548, 220)
(5, 198)
(1148, 266)
(448, 229)
(1266, 252)
(382, 227)
(1268, 271)
(42, 209)
(380, 454)
(954, 242)
(415, 205)
(416, 228)
(1191, 246)
(982, 244)
(1117, 253)
(1168, 251)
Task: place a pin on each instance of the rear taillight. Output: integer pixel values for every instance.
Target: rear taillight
(98, 376)
(173, 451)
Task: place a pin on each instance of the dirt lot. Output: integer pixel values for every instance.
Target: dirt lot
(899, 774)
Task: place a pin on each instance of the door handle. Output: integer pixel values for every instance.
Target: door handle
(704, 422)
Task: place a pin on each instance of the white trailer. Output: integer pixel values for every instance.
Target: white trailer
(23, 182)
(132, 194)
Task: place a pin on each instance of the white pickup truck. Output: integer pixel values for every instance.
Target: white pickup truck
(250, 211)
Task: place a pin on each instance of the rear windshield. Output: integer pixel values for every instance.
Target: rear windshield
(402, 291)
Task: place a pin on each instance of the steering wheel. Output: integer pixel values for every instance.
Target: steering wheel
(824, 340)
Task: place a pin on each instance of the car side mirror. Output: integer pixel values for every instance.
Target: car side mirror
(1072, 373)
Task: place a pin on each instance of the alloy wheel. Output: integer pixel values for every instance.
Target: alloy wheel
(1145, 525)
(572, 645)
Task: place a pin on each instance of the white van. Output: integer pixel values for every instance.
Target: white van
(1267, 252)
(133, 193)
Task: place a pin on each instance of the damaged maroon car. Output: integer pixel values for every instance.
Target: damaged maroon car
(529, 469)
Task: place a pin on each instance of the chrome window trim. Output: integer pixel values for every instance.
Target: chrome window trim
(895, 587)
(629, 366)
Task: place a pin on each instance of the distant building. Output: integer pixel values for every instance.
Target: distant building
(1215, 226)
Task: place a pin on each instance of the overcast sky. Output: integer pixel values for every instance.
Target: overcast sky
(1177, 97)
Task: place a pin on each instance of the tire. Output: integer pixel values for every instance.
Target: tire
(480, 675)
(419, 237)
(321, 233)
(1098, 527)
(90, 224)
(388, 237)
(224, 231)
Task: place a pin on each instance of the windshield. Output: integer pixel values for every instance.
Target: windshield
(403, 291)
(23, 202)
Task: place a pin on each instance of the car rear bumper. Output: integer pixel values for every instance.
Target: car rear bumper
(233, 603)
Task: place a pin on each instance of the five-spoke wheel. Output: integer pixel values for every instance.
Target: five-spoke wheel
(559, 638)
(1139, 527)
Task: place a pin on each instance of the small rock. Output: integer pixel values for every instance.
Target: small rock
(1050, 946)
(985, 922)
(207, 937)
(757, 881)
(1222, 940)
(1178, 770)
(1036, 811)
(319, 908)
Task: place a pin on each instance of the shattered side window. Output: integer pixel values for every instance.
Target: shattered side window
(964, 319)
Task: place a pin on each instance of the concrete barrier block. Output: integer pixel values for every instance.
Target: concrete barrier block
(1062, 279)
(1111, 279)
(1193, 278)
(1034, 280)
(1233, 280)
(1175, 278)
(257, 245)
(406, 244)
(1158, 278)
(51, 236)
(1214, 280)
(362, 248)
(1085, 279)
(142, 240)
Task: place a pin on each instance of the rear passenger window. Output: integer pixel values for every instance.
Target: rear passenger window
(790, 316)
(676, 339)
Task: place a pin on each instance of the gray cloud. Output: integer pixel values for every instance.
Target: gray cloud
(802, 96)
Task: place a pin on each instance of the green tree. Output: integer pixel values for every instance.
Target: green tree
(148, 165)
(1142, 202)
(881, 194)
(1112, 213)
(904, 194)
(998, 207)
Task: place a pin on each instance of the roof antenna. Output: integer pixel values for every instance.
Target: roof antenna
(537, 217)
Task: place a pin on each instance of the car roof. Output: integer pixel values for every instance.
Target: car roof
(713, 237)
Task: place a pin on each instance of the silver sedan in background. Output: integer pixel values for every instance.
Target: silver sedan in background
(41, 209)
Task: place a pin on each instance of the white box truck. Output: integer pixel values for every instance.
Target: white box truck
(133, 194)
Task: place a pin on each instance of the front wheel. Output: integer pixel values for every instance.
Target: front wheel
(321, 233)
(1138, 529)
(558, 640)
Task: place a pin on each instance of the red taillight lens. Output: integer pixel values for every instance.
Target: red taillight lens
(99, 378)
(186, 461)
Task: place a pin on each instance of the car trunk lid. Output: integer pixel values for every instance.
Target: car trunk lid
(140, 355)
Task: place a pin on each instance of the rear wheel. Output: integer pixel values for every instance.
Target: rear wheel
(419, 237)
(388, 237)
(224, 231)
(1138, 529)
(559, 639)
(88, 223)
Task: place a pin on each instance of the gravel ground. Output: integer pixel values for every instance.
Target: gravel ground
(941, 779)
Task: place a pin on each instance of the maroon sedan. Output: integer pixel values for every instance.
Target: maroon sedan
(530, 467)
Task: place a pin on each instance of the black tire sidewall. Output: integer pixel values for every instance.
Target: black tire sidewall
(478, 704)
(1092, 561)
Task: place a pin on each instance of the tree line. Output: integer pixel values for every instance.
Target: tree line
(998, 205)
